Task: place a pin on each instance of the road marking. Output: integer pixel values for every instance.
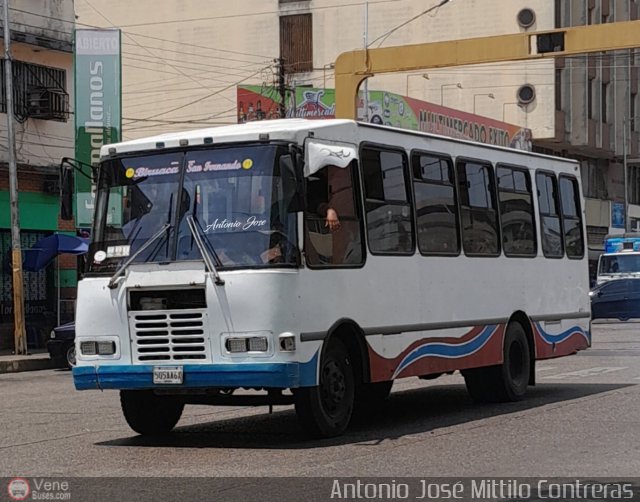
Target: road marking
(545, 368)
(588, 372)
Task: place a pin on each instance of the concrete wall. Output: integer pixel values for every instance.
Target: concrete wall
(182, 59)
(42, 142)
(50, 21)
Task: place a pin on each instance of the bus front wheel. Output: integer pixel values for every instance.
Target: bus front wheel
(325, 410)
(508, 381)
(149, 414)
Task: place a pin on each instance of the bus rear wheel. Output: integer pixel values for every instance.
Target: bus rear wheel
(508, 381)
(148, 414)
(325, 410)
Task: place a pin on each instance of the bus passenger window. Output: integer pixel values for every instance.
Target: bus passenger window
(387, 203)
(478, 209)
(332, 223)
(550, 228)
(436, 205)
(571, 217)
(516, 212)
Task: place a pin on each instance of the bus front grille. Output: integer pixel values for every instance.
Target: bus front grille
(171, 336)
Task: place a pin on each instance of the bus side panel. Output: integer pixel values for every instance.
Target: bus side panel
(480, 346)
(560, 339)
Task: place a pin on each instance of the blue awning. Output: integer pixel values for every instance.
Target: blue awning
(46, 249)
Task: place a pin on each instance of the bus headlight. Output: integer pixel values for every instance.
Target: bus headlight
(236, 345)
(106, 348)
(257, 343)
(100, 347)
(252, 344)
(88, 348)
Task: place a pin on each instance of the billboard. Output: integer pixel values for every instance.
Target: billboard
(98, 117)
(262, 102)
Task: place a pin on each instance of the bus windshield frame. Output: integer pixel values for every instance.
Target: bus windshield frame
(238, 195)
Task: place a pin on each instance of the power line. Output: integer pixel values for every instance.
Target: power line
(207, 56)
(166, 123)
(147, 103)
(147, 50)
(231, 16)
(76, 23)
(130, 35)
(131, 54)
(384, 36)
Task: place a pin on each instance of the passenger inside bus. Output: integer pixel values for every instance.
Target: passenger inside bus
(332, 228)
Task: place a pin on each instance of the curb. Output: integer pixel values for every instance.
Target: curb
(18, 365)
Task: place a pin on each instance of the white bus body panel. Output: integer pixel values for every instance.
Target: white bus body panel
(418, 314)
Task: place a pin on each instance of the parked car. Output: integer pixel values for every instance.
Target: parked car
(62, 344)
(617, 299)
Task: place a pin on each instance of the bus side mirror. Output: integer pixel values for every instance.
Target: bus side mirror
(67, 167)
(66, 193)
(292, 184)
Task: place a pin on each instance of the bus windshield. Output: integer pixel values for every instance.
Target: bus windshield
(237, 197)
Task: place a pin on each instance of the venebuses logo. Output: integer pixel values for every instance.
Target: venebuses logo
(18, 489)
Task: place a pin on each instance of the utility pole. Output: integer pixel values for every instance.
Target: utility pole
(624, 167)
(282, 90)
(16, 253)
(365, 37)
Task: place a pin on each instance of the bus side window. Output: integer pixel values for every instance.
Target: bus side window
(436, 206)
(387, 203)
(571, 217)
(516, 211)
(478, 209)
(550, 226)
(331, 188)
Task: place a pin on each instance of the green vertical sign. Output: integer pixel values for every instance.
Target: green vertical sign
(98, 116)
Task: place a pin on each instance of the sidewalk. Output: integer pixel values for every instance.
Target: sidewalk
(37, 360)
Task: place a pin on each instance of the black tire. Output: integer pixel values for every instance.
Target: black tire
(325, 411)
(508, 381)
(149, 414)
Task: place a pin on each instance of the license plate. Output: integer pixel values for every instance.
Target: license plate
(167, 375)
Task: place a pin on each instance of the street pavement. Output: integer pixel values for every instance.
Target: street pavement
(36, 360)
(581, 419)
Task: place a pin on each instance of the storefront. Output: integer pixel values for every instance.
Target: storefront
(38, 218)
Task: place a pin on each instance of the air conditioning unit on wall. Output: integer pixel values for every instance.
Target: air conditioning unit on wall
(47, 104)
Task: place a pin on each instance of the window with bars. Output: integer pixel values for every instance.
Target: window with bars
(38, 92)
(296, 42)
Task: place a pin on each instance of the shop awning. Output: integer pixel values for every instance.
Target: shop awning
(46, 249)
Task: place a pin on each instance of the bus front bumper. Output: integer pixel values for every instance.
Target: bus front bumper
(269, 375)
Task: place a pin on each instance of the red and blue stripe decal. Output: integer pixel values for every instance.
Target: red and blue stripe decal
(568, 342)
(480, 346)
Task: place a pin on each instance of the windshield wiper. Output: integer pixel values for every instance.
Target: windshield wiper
(206, 256)
(113, 282)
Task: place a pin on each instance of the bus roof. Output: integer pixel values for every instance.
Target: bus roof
(282, 129)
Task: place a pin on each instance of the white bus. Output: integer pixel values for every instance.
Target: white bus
(314, 262)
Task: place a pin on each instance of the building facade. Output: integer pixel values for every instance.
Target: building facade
(183, 60)
(42, 60)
